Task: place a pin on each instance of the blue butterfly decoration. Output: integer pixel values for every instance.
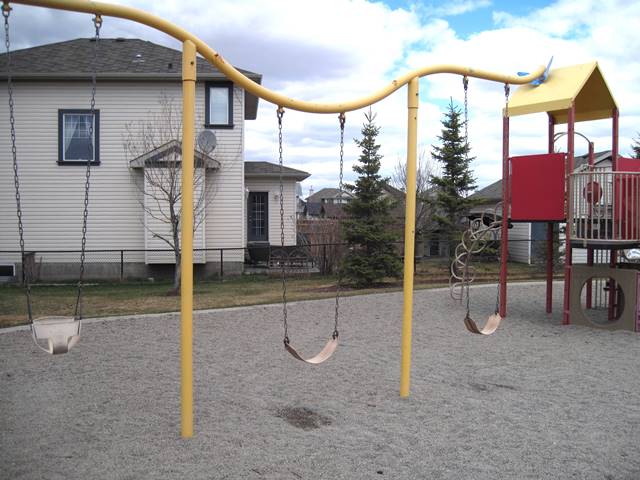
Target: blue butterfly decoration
(540, 79)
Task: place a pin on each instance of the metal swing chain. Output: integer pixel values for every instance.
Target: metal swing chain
(465, 85)
(97, 22)
(280, 114)
(507, 90)
(342, 119)
(6, 11)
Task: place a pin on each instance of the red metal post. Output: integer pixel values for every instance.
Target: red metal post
(614, 140)
(591, 158)
(506, 209)
(566, 316)
(549, 267)
(614, 166)
(589, 282)
(551, 132)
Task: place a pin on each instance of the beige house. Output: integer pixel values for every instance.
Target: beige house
(135, 81)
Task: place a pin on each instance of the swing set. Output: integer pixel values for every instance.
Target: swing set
(63, 334)
(53, 334)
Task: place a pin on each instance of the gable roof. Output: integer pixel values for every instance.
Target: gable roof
(598, 157)
(157, 156)
(267, 169)
(396, 192)
(583, 84)
(490, 192)
(118, 59)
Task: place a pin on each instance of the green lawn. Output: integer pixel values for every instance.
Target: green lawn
(105, 299)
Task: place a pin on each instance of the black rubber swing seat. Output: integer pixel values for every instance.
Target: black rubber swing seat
(325, 353)
(493, 322)
(56, 335)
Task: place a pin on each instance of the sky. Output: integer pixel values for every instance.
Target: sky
(338, 50)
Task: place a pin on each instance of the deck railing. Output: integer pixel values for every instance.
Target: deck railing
(605, 208)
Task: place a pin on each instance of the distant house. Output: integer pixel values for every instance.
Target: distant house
(330, 195)
(51, 90)
(326, 203)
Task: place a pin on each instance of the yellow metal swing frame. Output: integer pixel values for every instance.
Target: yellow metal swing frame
(191, 45)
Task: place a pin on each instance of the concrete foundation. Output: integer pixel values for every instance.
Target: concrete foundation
(115, 271)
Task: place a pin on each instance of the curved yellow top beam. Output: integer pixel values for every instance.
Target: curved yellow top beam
(140, 16)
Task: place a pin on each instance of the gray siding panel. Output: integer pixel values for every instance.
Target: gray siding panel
(52, 195)
(519, 246)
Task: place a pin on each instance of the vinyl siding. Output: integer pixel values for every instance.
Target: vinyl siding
(273, 187)
(52, 195)
(157, 218)
(579, 255)
(519, 247)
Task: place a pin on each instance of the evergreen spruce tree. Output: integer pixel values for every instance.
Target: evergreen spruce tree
(372, 255)
(456, 179)
(635, 146)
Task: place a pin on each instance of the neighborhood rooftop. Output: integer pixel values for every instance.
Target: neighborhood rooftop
(326, 192)
(118, 59)
(266, 169)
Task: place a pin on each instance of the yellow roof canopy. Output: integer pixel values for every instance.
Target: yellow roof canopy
(583, 84)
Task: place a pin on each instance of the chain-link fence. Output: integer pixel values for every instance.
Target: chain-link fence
(321, 258)
(117, 265)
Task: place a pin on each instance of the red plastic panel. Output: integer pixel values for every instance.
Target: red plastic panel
(537, 187)
(627, 208)
(628, 164)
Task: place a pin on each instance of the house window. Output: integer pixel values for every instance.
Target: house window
(78, 137)
(219, 105)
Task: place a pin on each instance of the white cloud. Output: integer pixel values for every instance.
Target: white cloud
(457, 7)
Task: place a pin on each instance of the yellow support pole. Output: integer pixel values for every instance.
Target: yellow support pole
(186, 220)
(413, 100)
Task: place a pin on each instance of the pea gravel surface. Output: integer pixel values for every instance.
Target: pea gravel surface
(536, 400)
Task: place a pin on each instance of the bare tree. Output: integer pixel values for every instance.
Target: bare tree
(157, 143)
(424, 171)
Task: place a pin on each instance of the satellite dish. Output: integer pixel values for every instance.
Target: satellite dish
(207, 141)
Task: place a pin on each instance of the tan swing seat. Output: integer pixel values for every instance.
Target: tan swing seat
(59, 333)
(493, 322)
(324, 354)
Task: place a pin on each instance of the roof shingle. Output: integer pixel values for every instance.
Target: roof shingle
(118, 59)
(266, 169)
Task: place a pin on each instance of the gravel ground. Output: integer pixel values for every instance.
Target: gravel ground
(536, 400)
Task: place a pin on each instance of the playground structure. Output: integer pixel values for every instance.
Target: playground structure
(601, 208)
(520, 104)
